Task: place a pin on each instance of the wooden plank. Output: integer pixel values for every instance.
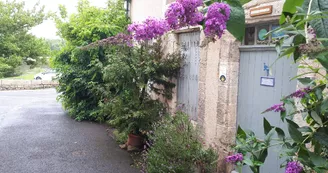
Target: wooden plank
(188, 78)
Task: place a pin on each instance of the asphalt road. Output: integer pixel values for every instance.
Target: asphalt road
(36, 136)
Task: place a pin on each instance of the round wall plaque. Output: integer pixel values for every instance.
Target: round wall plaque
(262, 34)
(223, 78)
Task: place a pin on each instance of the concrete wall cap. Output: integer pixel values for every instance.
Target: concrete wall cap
(255, 3)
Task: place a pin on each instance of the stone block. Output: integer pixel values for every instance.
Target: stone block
(225, 135)
(223, 94)
(233, 95)
(231, 116)
(36, 82)
(16, 82)
(221, 113)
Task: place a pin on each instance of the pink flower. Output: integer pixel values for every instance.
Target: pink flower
(276, 108)
(235, 158)
(216, 20)
(184, 13)
(149, 29)
(293, 167)
(300, 93)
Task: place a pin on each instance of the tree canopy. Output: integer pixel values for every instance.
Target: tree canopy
(16, 43)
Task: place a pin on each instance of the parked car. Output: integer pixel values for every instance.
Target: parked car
(48, 75)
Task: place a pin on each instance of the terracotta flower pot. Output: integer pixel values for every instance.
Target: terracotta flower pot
(136, 141)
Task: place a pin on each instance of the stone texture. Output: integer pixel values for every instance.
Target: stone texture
(276, 10)
(26, 84)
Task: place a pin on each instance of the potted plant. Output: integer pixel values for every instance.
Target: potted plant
(135, 116)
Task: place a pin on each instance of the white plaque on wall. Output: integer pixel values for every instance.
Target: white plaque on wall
(268, 81)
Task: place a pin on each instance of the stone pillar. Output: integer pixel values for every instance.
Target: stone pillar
(217, 107)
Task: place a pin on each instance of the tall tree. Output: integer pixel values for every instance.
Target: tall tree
(82, 70)
(16, 43)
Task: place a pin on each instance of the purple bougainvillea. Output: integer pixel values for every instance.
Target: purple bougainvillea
(119, 39)
(293, 167)
(235, 158)
(184, 13)
(149, 29)
(276, 108)
(175, 15)
(216, 20)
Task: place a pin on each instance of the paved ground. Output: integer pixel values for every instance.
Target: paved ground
(37, 137)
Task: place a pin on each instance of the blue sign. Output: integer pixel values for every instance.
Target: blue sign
(277, 34)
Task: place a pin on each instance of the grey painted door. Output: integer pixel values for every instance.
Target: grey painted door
(188, 77)
(254, 98)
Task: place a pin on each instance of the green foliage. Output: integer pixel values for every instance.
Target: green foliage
(308, 143)
(82, 70)
(236, 24)
(290, 8)
(132, 75)
(244, 1)
(8, 65)
(254, 150)
(319, 19)
(120, 137)
(177, 148)
(16, 44)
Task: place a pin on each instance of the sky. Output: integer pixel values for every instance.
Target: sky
(48, 28)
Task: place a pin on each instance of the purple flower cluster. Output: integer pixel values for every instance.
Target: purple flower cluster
(119, 39)
(276, 108)
(235, 158)
(311, 34)
(293, 167)
(216, 20)
(300, 93)
(149, 29)
(184, 13)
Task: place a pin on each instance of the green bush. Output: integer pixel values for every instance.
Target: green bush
(120, 137)
(177, 148)
(131, 76)
(81, 80)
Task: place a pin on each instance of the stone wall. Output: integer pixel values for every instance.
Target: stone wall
(26, 84)
(217, 105)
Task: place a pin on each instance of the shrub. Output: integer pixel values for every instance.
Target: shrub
(120, 137)
(131, 76)
(176, 147)
(81, 80)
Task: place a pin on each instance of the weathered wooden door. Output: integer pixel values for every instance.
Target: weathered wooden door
(254, 98)
(188, 77)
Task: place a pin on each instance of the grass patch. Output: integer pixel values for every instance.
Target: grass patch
(28, 75)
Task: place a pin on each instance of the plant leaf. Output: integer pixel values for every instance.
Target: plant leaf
(316, 117)
(236, 23)
(320, 25)
(280, 132)
(267, 126)
(241, 133)
(323, 61)
(287, 52)
(269, 136)
(248, 161)
(305, 129)
(322, 138)
(324, 105)
(289, 8)
(263, 155)
(305, 81)
(294, 133)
